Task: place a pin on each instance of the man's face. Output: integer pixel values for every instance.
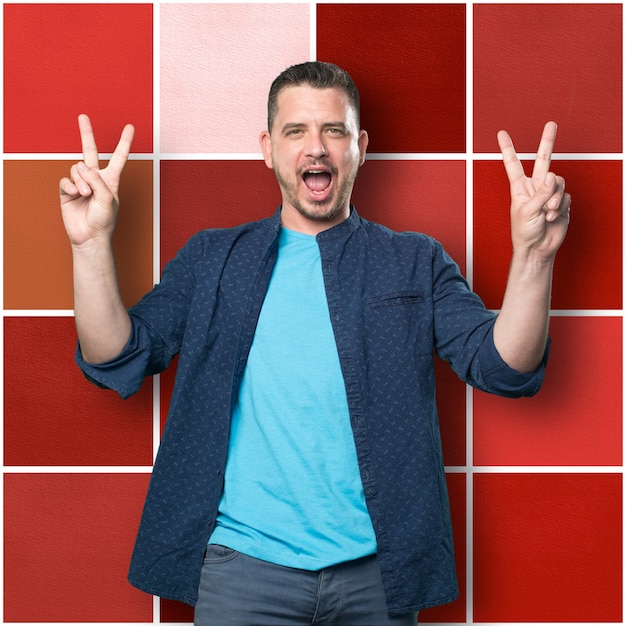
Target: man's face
(315, 149)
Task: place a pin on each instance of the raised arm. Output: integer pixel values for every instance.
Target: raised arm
(89, 206)
(539, 219)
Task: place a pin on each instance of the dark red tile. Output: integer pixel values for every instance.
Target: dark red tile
(408, 61)
(588, 268)
(53, 415)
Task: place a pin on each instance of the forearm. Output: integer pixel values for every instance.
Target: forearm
(102, 322)
(521, 329)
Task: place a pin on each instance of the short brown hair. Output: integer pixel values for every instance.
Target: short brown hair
(316, 74)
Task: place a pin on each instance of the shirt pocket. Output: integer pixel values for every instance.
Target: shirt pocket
(399, 324)
(398, 298)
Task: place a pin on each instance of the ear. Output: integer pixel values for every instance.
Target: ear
(266, 147)
(363, 141)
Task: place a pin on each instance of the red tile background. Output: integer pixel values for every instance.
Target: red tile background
(539, 479)
(217, 194)
(588, 271)
(424, 196)
(545, 548)
(64, 59)
(576, 419)
(53, 415)
(409, 63)
(536, 61)
(67, 538)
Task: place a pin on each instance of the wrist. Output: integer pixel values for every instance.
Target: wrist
(92, 246)
(532, 260)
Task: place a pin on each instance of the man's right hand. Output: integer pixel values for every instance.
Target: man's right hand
(89, 197)
(89, 205)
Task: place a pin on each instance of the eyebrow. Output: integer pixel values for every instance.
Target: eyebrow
(292, 126)
(300, 125)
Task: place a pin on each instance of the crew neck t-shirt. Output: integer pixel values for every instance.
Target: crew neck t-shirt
(292, 490)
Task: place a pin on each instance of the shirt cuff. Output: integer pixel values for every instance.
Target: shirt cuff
(503, 380)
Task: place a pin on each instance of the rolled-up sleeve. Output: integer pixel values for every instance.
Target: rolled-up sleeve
(494, 375)
(158, 325)
(125, 373)
(464, 336)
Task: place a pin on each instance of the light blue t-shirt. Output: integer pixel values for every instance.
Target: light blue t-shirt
(292, 491)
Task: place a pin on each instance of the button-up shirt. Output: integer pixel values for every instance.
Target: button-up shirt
(395, 300)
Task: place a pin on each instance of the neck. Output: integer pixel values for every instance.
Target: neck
(293, 219)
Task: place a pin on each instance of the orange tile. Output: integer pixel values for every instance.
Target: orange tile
(37, 256)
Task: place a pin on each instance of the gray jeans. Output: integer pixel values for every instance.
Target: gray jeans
(238, 590)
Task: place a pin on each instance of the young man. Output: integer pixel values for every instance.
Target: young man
(302, 444)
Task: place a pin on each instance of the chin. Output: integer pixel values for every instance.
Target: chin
(322, 214)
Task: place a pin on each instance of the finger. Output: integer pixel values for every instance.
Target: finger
(68, 188)
(81, 185)
(91, 176)
(563, 209)
(558, 185)
(88, 141)
(548, 198)
(544, 152)
(122, 150)
(512, 165)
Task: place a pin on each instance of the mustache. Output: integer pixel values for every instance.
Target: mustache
(318, 164)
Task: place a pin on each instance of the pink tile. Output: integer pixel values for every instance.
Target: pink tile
(217, 64)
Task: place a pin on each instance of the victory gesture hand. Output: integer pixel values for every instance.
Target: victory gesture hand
(89, 197)
(539, 205)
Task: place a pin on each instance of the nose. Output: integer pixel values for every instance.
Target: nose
(315, 147)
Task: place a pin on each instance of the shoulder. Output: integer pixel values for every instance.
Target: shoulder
(383, 235)
(220, 240)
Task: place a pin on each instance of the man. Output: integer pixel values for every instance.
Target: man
(302, 444)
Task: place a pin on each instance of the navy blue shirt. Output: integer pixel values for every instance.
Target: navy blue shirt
(395, 299)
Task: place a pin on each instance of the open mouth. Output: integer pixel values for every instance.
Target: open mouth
(317, 181)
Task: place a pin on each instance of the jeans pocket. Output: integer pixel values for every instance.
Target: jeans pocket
(216, 553)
